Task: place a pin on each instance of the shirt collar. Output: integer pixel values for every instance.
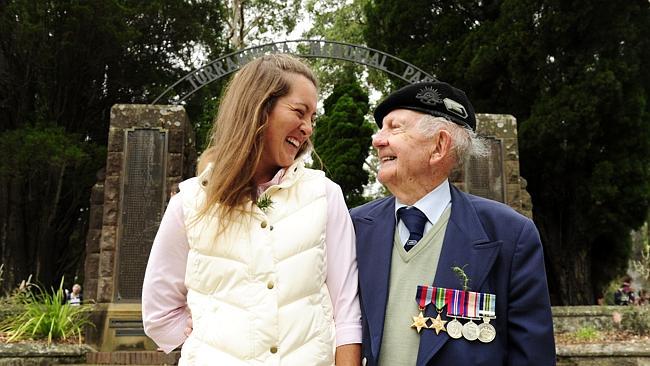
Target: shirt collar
(433, 204)
(274, 181)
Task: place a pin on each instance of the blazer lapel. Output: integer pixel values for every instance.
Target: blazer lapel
(375, 233)
(465, 244)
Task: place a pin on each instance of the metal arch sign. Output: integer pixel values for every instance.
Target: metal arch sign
(307, 48)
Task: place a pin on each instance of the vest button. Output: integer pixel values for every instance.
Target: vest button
(274, 349)
(263, 224)
(270, 285)
(271, 227)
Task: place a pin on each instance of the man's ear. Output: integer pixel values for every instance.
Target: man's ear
(441, 146)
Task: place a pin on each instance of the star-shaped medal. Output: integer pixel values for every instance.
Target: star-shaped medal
(419, 322)
(438, 324)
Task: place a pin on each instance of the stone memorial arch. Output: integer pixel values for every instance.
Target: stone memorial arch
(151, 149)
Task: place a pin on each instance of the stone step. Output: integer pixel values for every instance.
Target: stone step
(133, 358)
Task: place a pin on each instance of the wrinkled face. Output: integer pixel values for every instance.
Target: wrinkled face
(404, 152)
(288, 127)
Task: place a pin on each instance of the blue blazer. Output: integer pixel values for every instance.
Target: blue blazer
(504, 256)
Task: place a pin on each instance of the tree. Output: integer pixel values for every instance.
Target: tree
(342, 137)
(257, 19)
(62, 66)
(572, 73)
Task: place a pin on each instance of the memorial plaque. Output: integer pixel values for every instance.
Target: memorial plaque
(484, 176)
(142, 206)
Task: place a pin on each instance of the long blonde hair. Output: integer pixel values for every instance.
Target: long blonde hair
(237, 139)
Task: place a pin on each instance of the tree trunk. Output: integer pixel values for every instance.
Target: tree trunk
(568, 262)
(15, 249)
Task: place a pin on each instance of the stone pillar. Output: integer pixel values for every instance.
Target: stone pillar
(504, 183)
(150, 151)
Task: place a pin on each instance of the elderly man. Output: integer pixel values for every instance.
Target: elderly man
(446, 278)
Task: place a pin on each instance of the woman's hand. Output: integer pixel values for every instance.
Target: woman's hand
(348, 355)
(189, 326)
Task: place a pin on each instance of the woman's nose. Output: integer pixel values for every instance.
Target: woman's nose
(306, 128)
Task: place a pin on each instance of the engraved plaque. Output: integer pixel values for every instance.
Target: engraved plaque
(141, 207)
(484, 176)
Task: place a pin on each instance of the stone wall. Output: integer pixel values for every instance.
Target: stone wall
(39, 354)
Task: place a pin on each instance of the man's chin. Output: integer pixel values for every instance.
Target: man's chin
(386, 179)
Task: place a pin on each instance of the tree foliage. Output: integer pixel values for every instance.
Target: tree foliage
(63, 65)
(342, 137)
(573, 75)
(257, 20)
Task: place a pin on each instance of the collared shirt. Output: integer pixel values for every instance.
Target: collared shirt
(433, 204)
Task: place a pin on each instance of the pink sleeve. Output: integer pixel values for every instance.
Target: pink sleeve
(164, 306)
(342, 276)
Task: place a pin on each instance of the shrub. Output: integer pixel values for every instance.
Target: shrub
(45, 315)
(637, 320)
(587, 334)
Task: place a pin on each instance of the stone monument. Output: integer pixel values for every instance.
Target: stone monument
(150, 151)
(497, 176)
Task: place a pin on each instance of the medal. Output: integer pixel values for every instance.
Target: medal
(440, 296)
(486, 331)
(438, 324)
(419, 322)
(455, 329)
(423, 298)
(470, 331)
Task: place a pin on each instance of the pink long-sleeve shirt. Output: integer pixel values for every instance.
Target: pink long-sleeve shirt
(164, 307)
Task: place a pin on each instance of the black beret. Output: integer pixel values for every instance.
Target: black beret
(434, 98)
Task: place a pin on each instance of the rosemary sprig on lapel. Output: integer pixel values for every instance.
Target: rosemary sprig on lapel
(462, 276)
(264, 203)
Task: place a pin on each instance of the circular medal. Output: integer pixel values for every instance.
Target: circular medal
(470, 331)
(455, 329)
(486, 332)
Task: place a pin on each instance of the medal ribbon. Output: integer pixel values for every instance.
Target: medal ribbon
(473, 302)
(488, 306)
(441, 298)
(424, 296)
(457, 303)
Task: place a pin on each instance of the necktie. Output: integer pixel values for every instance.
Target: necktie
(414, 220)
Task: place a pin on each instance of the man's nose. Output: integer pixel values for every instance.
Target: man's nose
(379, 139)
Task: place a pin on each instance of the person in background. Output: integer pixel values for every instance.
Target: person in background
(258, 249)
(625, 294)
(466, 273)
(75, 297)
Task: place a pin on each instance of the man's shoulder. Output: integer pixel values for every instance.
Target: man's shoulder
(364, 209)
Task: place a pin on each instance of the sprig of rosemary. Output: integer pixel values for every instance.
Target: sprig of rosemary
(264, 203)
(462, 276)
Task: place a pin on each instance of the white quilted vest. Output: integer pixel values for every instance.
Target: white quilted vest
(257, 291)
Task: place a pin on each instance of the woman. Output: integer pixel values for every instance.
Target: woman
(257, 248)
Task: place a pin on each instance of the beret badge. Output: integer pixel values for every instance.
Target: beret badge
(429, 95)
